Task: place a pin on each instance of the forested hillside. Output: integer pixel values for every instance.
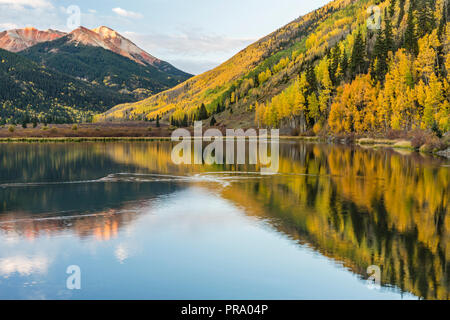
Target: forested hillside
(329, 71)
(56, 77)
(30, 92)
(103, 67)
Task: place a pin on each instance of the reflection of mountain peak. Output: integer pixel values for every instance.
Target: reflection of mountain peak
(343, 202)
(102, 226)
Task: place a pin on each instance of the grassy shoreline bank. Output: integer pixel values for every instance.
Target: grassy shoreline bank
(80, 139)
(142, 132)
(399, 144)
(117, 139)
(368, 142)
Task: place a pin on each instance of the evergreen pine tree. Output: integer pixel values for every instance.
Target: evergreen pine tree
(357, 62)
(379, 66)
(410, 37)
(442, 23)
(311, 79)
(202, 113)
(334, 65)
(448, 11)
(344, 65)
(401, 14)
(219, 108)
(425, 18)
(392, 8)
(388, 37)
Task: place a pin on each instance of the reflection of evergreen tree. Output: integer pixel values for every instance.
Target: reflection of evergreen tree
(369, 230)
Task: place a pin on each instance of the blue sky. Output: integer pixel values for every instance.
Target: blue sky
(194, 35)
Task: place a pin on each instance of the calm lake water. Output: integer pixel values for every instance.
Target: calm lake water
(140, 227)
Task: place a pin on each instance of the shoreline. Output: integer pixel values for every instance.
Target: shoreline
(362, 142)
(80, 139)
(141, 131)
(373, 143)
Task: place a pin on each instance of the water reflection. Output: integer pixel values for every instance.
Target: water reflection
(357, 207)
(23, 265)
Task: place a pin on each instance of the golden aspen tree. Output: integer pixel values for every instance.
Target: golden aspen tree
(371, 100)
(383, 111)
(264, 76)
(439, 9)
(289, 101)
(233, 97)
(447, 66)
(281, 65)
(339, 74)
(358, 104)
(300, 93)
(313, 107)
(426, 59)
(349, 107)
(443, 116)
(282, 104)
(325, 94)
(337, 113)
(446, 42)
(356, 107)
(433, 102)
(325, 85)
(272, 116)
(321, 69)
(421, 96)
(399, 90)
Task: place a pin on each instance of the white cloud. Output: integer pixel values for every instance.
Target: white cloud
(191, 51)
(40, 17)
(190, 43)
(8, 26)
(194, 66)
(35, 4)
(127, 14)
(92, 11)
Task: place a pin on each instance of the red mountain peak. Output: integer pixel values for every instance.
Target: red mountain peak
(20, 39)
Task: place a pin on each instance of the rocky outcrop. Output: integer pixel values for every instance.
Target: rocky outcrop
(444, 153)
(111, 40)
(20, 39)
(125, 47)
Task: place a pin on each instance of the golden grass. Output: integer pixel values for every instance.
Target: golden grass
(403, 144)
